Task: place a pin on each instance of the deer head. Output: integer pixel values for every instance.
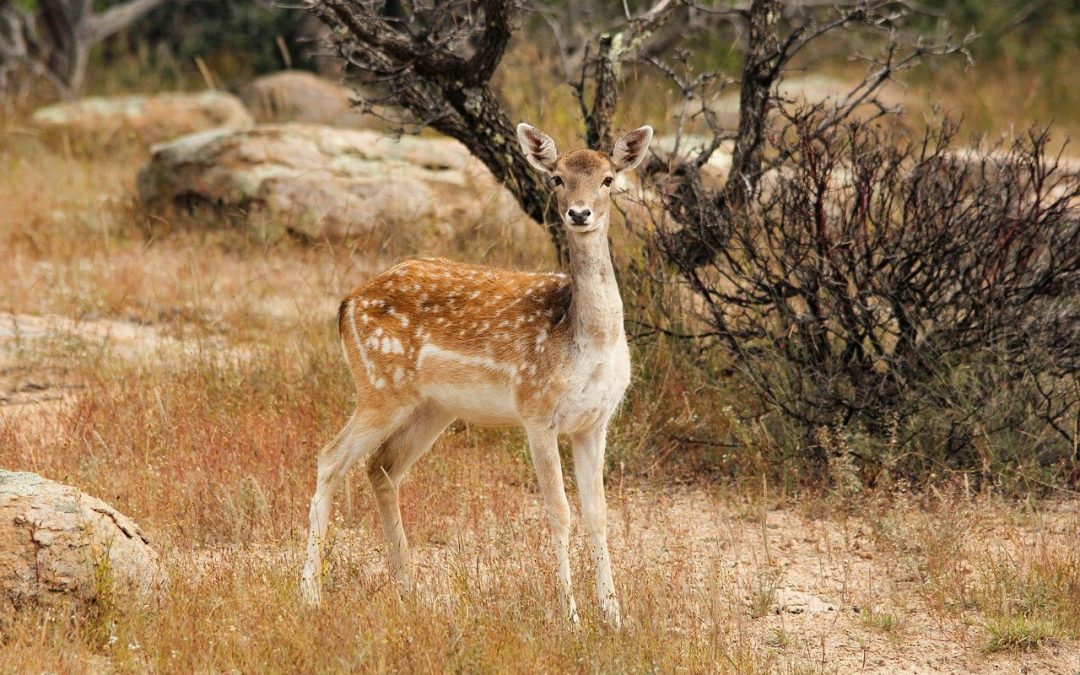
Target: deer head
(583, 178)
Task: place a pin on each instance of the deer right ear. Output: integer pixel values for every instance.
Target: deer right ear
(630, 149)
(538, 147)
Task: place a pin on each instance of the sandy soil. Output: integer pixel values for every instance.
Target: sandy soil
(805, 586)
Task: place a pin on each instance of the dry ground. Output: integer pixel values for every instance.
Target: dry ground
(187, 372)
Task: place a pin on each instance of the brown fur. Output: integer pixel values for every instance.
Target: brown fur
(507, 316)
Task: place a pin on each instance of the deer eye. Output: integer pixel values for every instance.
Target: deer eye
(607, 182)
(557, 181)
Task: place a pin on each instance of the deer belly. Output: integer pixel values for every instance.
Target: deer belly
(481, 403)
(475, 389)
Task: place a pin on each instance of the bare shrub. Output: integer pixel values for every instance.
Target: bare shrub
(874, 278)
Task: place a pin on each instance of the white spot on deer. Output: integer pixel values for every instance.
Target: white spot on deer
(392, 345)
(404, 320)
(369, 367)
(474, 295)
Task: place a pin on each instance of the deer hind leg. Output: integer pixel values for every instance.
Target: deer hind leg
(544, 449)
(385, 471)
(361, 435)
(589, 471)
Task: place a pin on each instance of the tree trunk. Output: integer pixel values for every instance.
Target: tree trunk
(488, 133)
(70, 29)
(760, 71)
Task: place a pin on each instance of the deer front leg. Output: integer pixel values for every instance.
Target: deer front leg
(544, 449)
(589, 470)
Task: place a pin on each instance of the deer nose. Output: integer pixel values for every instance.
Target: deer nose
(579, 217)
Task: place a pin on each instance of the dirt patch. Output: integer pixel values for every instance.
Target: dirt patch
(39, 355)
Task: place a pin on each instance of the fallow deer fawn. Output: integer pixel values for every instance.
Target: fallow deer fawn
(429, 341)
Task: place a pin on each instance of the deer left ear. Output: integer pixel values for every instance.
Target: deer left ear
(630, 149)
(538, 147)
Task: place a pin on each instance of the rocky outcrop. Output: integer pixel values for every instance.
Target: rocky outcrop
(300, 96)
(62, 548)
(106, 122)
(323, 181)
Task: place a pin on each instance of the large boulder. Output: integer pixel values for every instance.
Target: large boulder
(300, 96)
(106, 122)
(62, 548)
(325, 182)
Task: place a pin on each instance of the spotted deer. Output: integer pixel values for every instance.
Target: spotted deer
(430, 341)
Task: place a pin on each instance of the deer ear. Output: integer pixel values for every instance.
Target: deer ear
(538, 147)
(630, 149)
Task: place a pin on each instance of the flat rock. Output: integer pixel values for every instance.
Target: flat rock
(791, 601)
(65, 549)
(324, 181)
(104, 122)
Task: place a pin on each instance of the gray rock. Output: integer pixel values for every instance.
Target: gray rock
(715, 172)
(324, 181)
(300, 96)
(62, 548)
(104, 122)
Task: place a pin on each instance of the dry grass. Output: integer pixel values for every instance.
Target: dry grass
(211, 447)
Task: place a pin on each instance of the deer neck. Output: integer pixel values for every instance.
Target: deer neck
(596, 310)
